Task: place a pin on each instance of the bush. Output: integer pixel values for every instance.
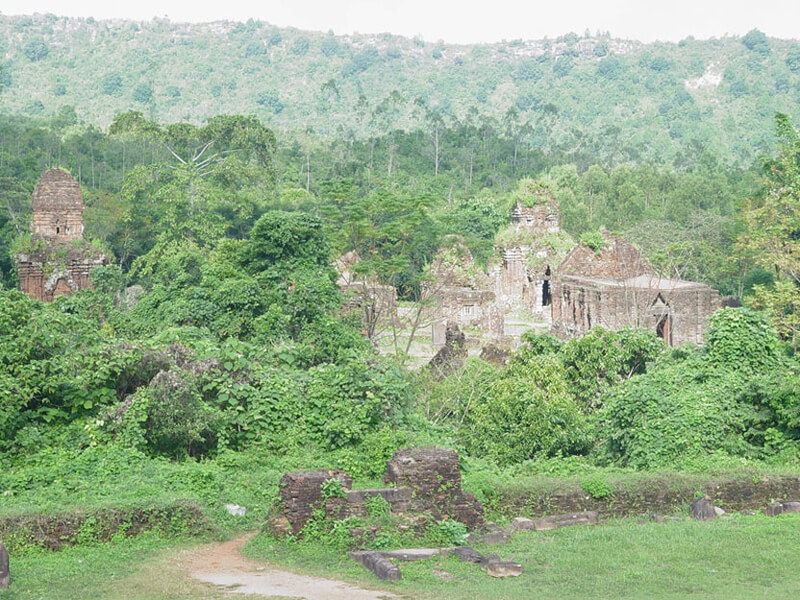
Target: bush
(756, 41)
(345, 402)
(36, 50)
(527, 413)
(111, 83)
(142, 93)
(270, 100)
(682, 409)
(300, 46)
(741, 339)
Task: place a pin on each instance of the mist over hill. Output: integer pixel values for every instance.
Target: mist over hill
(622, 100)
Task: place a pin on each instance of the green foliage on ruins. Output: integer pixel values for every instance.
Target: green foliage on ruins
(217, 352)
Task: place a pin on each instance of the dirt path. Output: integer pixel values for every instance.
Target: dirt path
(224, 565)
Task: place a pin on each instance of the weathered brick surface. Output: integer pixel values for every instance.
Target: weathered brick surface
(301, 493)
(4, 576)
(434, 477)
(618, 288)
(57, 207)
(56, 264)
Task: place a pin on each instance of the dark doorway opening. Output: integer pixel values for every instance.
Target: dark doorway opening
(546, 293)
(662, 328)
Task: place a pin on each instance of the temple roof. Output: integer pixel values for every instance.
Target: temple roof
(58, 191)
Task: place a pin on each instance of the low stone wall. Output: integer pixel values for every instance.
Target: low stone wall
(653, 496)
(52, 532)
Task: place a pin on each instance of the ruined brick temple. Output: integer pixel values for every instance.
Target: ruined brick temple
(58, 260)
(526, 254)
(461, 292)
(615, 286)
(539, 279)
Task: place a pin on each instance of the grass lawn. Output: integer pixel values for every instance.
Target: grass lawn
(143, 568)
(745, 557)
(742, 558)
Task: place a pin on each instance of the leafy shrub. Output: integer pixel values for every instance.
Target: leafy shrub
(255, 49)
(593, 240)
(332, 488)
(446, 533)
(680, 409)
(377, 506)
(741, 339)
(270, 100)
(755, 41)
(111, 83)
(597, 361)
(300, 46)
(527, 413)
(142, 93)
(597, 487)
(329, 45)
(36, 50)
(562, 66)
(178, 422)
(793, 58)
(361, 61)
(610, 67)
(348, 400)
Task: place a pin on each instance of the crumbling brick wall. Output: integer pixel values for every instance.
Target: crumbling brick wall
(301, 493)
(434, 476)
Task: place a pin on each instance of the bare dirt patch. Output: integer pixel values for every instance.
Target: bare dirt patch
(223, 565)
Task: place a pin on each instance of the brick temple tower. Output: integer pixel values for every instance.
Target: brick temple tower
(57, 208)
(58, 260)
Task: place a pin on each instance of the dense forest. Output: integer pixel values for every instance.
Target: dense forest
(614, 100)
(224, 167)
(230, 237)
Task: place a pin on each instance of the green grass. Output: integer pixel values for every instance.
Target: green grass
(101, 571)
(745, 557)
(741, 558)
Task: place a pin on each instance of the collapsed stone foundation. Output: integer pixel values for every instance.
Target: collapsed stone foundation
(427, 480)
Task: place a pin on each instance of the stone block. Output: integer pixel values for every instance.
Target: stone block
(773, 509)
(5, 578)
(468, 554)
(790, 507)
(235, 510)
(522, 524)
(382, 568)
(412, 554)
(502, 568)
(565, 520)
(702, 509)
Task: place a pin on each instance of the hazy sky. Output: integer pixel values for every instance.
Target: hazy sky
(462, 21)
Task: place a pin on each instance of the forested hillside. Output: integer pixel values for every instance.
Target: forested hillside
(616, 100)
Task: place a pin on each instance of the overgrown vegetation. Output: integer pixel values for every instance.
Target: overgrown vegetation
(217, 352)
